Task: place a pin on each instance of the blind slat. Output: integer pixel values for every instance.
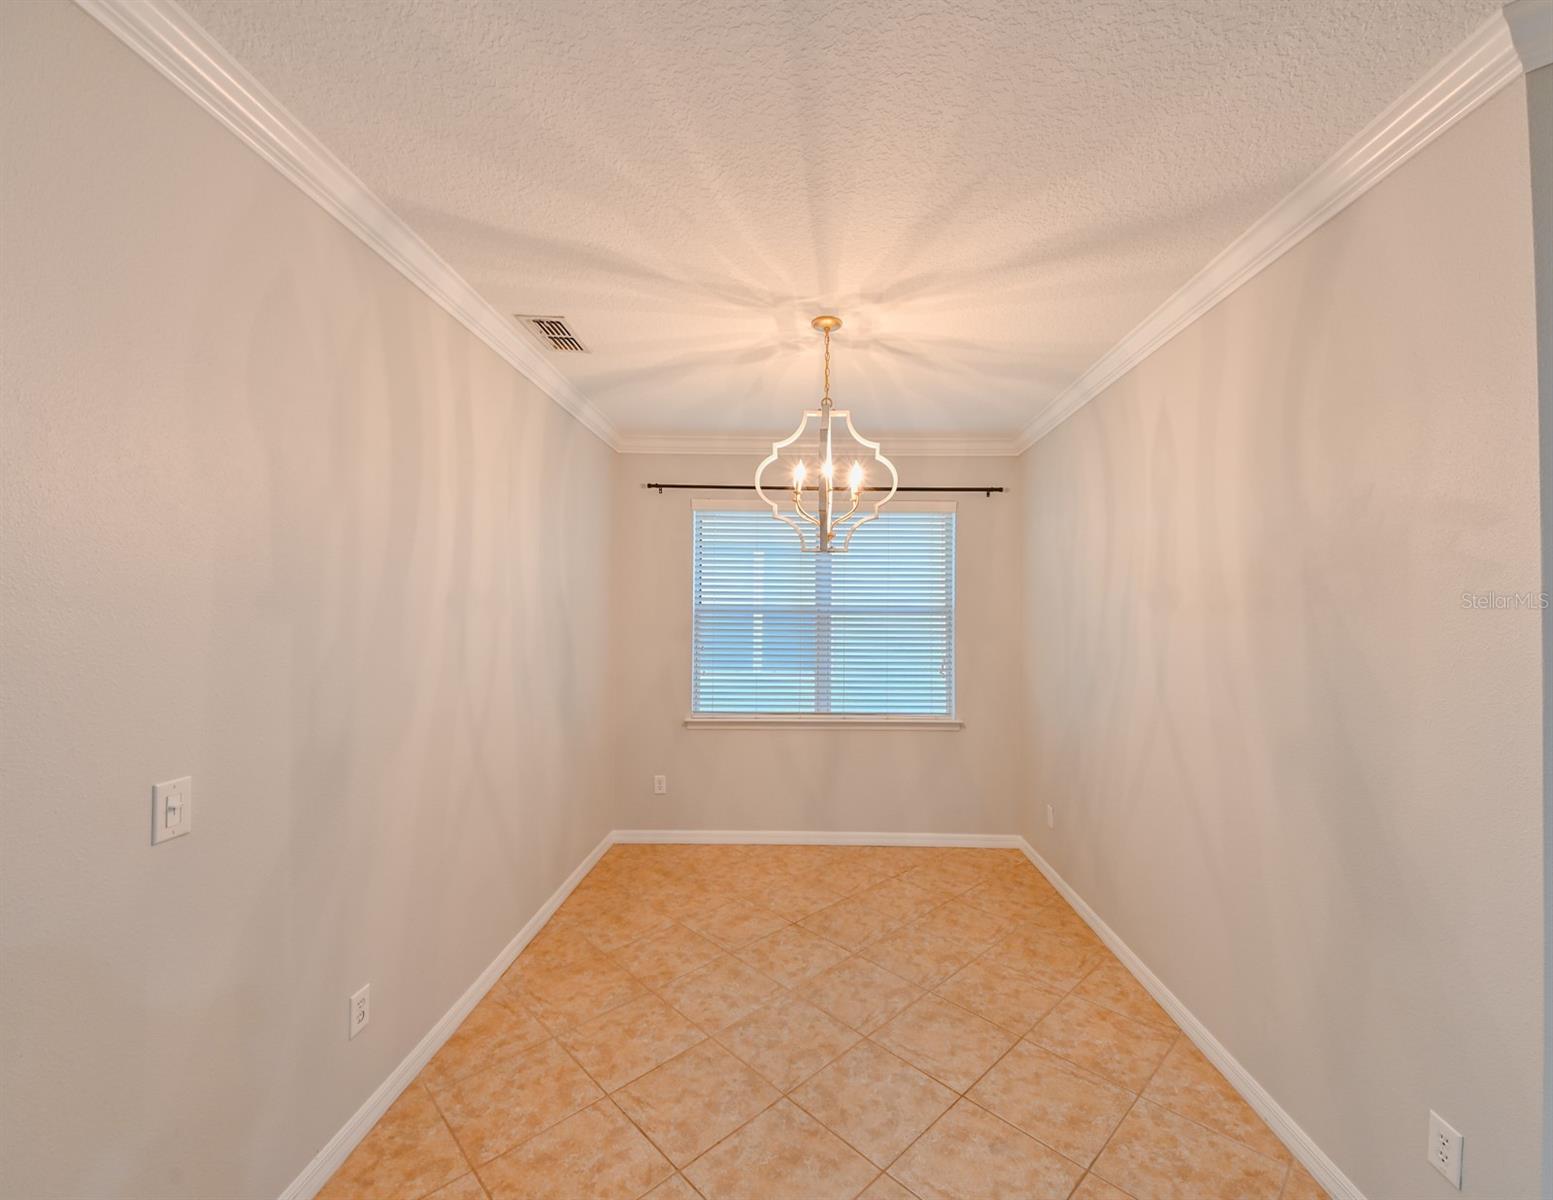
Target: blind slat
(776, 630)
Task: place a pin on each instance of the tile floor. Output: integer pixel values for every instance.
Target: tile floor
(808, 1022)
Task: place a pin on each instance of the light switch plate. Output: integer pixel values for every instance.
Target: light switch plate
(172, 809)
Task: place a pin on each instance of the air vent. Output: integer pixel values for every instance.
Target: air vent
(555, 333)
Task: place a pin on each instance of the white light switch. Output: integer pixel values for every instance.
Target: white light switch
(172, 809)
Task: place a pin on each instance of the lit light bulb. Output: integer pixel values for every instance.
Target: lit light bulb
(855, 478)
(828, 470)
(800, 472)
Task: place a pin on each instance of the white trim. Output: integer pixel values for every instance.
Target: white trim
(818, 721)
(327, 1161)
(1517, 39)
(1300, 1144)
(897, 445)
(172, 42)
(800, 837)
(1466, 77)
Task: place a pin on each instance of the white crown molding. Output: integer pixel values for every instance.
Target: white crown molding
(1311, 1156)
(899, 445)
(1509, 43)
(172, 42)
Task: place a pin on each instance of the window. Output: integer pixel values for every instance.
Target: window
(868, 632)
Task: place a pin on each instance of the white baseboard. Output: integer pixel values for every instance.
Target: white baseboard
(1300, 1144)
(306, 1185)
(797, 837)
(1323, 1169)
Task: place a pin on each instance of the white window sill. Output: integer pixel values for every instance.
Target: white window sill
(817, 721)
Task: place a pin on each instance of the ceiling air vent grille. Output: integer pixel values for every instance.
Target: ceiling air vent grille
(554, 332)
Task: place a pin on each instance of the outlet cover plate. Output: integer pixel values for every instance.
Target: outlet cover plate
(361, 1009)
(1445, 1145)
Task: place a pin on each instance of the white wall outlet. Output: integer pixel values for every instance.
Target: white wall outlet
(172, 809)
(361, 1010)
(1051, 817)
(1445, 1149)
(660, 785)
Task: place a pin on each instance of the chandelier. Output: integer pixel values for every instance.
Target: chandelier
(829, 527)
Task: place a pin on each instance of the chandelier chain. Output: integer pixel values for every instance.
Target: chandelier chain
(827, 366)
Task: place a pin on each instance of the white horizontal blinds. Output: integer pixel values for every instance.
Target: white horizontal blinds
(892, 617)
(780, 631)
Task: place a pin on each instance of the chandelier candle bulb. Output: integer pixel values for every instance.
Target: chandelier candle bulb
(832, 531)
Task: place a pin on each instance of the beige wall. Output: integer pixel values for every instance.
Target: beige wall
(272, 519)
(1290, 769)
(965, 781)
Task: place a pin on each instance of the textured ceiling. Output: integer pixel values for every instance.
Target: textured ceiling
(990, 194)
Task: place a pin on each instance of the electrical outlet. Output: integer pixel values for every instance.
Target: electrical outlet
(361, 1010)
(1445, 1149)
(660, 785)
(1051, 817)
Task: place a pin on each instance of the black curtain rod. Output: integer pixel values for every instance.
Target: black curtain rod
(749, 487)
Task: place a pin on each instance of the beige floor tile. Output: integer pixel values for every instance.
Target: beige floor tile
(945, 877)
(664, 956)
(559, 942)
(860, 993)
(1092, 1187)
(914, 953)
(566, 996)
(787, 1041)
(1115, 1047)
(810, 892)
(673, 1188)
(1014, 1002)
(1053, 1101)
(629, 1041)
(718, 994)
(1050, 959)
(694, 1101)
(850, 923)
(465, 1187)
(619, 926)
(783, 1154)
(971, 927)
(1156, 1155)
(951, 1044)
(972, 1155)
(877, 1103)
(1300, 1185)
(885, 1188)
(1190, 1086)
(596, 1153)
(1112, 986)
(898, 899)
(735, 924)
(493, 1110)
(658, 947)
(791, 955)
(491, 1033)
(408, 1153)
